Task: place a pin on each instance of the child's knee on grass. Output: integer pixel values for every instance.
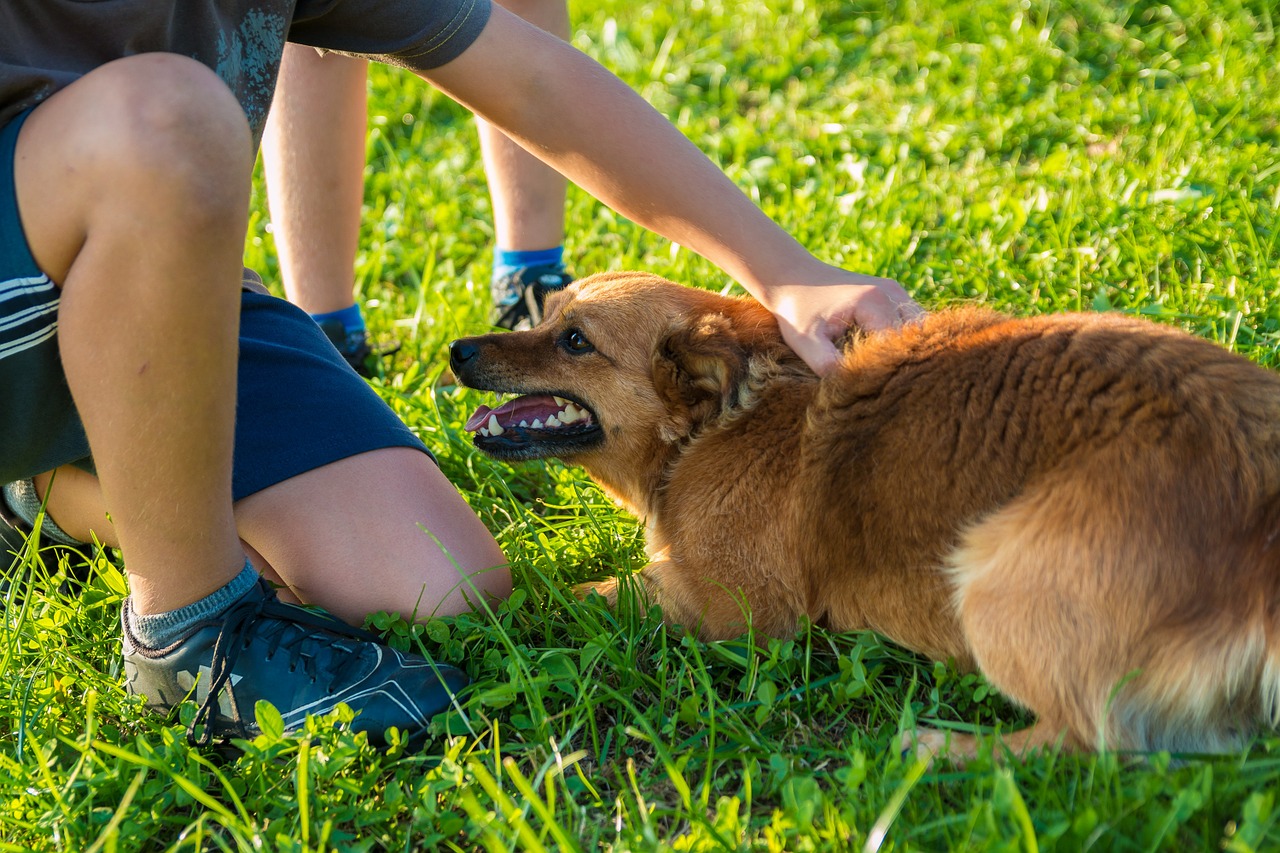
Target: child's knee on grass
(380, 530)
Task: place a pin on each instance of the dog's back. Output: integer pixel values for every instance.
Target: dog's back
(1106, 495)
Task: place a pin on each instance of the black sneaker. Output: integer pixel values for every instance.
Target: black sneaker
(301, 661)
(518, 296)
(355, 347)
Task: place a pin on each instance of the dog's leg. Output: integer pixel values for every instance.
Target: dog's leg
(1054, 604)
(959, 748)
(700, 601)
(608, 589)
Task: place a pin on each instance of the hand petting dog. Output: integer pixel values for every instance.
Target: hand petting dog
(813, 317)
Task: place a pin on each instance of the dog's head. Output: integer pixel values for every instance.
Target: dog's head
(623, 368)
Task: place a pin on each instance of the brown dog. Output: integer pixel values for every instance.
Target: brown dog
(1084, 507)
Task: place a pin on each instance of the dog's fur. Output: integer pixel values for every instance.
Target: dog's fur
(1084, 507)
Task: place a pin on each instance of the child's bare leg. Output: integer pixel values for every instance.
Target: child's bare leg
(133, 189)
(313, 159)
(77, 501)
(528, 196)
(383, 530)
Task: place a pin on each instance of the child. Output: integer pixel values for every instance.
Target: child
(313, 158)
(124, 330)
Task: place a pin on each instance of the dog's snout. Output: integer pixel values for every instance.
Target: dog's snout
(461, 353)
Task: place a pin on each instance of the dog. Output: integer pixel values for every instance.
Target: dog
(1083, 507)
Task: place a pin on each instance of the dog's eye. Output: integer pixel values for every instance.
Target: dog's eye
(575, 342)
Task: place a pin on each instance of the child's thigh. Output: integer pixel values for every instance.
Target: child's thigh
(335, 492)
(382, 530)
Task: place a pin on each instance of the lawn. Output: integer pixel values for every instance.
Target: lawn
(1030, 155)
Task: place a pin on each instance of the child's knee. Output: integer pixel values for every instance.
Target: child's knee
(167, 120)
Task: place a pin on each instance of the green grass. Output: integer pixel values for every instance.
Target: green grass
(1034, 156)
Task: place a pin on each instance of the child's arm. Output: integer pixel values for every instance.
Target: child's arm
(585, 122)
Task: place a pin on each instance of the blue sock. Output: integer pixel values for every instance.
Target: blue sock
(159, 630)
(507, 261)
(351, 318)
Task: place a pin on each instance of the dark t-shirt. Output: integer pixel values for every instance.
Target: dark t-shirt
(46, 44)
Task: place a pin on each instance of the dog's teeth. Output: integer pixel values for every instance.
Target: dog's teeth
(537, 424)
(570, 414)
(524, 423)
(495, 428)
(553, 421)
(560, 401)
(484, 431)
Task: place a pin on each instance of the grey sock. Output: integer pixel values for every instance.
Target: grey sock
(160, 630)
(21, 498)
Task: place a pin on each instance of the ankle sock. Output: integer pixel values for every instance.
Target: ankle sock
(21, 499)
(351, 318)
(160, 630)
(507, 261)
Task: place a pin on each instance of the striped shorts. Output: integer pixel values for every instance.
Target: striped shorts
(299, 404)
(39, 428)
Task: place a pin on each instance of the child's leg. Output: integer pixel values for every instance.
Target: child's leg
(132, 185)
(313, 161)
(334, 495)
(384, 530)
(528, 196)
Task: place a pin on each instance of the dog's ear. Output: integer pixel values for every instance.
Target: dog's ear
(697, 370)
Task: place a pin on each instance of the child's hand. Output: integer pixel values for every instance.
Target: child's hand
(813, 316)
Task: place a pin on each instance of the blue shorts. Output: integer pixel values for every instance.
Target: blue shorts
(299, 404)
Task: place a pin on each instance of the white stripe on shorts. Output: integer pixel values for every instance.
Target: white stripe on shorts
(15, 287)
(32, 325)
(28, 341)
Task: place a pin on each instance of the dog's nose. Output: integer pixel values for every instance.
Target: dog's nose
(460, 352)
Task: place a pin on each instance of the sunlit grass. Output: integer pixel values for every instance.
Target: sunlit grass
(1032, 156)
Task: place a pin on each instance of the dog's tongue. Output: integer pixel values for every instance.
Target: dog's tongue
(533, 408)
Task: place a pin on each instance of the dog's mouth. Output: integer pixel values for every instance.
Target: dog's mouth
(535, 426)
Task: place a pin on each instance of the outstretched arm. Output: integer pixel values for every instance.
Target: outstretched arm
(574, 114)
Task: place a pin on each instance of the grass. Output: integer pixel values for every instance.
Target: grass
(1035, 156)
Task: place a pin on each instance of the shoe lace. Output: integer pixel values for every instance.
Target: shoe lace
(520, 295)
(285, 626)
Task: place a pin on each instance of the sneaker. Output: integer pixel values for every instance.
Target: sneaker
(15, 540)
(518, 296)
(301, 661)
(355, 347)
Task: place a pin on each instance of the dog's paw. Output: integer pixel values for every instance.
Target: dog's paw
(923, 744)
(608, 589)
(931, 745)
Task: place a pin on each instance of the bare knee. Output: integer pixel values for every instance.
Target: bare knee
(382, 530)
(172, 123)
(150, 147)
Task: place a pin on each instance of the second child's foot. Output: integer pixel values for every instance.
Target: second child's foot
(519, 295)
(355, 347)
(18, 539)
(302, 662)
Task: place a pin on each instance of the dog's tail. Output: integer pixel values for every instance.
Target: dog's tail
(1260, 554)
